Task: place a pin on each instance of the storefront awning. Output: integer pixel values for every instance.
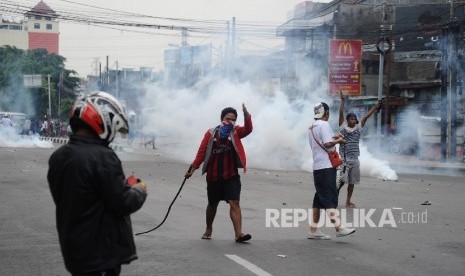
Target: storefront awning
(417, 84)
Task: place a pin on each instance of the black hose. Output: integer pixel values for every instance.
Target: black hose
(167, 213)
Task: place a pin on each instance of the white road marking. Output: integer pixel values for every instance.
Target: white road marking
(250, 266)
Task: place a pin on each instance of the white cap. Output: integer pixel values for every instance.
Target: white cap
(319, 110)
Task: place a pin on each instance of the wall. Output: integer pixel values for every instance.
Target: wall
(16, 38)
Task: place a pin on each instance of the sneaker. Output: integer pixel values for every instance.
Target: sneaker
(318, 235)
(344, 232)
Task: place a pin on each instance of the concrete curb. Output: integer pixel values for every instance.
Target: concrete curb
(55, 140)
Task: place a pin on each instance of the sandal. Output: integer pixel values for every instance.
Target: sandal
(244, 238)
(350, 205)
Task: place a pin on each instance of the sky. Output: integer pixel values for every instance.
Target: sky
(84, 44)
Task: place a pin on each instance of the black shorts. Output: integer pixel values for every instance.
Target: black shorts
(225, 190)
(325, 186)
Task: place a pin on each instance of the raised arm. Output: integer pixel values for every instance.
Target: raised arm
(341, 110)
(245, 130)
(370, 112)
(244, 109)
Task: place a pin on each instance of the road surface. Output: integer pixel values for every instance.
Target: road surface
(425, 240)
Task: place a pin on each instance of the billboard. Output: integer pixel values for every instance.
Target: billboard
(32, 81)
(345, 61)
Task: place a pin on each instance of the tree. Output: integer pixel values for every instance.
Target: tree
(14, 63)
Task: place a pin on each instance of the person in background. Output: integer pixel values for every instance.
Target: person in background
(6, 121)
(351, 130)
(132, 120)
(27, 127)
(44, 128)
(92, 197)
(321, 135)
(222, 153)
(35, 126)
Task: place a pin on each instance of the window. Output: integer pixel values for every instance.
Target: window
(38, 17)
(49, 26)
(37, 26)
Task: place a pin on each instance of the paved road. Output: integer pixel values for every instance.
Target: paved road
(415, 246)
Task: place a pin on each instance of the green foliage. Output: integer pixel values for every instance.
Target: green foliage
(66, 106)
(14, 63)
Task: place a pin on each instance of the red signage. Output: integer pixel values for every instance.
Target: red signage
(345, 63)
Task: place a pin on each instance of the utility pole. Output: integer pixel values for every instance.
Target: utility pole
(117, 81)
(444, 105)
(49, 99)
(100, 81)
(454, 28)
(184, 35)
(380, 92)
(108, 77)
(230, 46)
(454, 31)
(449, 88)
(381, 72)
(59, 94)
(233, 40)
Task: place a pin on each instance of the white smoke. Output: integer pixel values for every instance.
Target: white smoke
(10, 139)
(375, 167)
(279, 139)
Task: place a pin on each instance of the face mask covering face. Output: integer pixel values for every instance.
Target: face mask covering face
(225, 128)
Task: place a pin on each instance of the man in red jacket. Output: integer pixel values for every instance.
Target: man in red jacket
(222, 153)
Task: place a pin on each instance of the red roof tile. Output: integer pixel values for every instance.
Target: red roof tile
(42, 8)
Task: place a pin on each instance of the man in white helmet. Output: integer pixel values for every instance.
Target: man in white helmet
(92, 196)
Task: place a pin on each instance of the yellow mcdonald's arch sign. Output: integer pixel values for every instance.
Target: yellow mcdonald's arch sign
(345, 47)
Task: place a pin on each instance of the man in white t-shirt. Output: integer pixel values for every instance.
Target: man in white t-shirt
(322, 140)
(44, 129)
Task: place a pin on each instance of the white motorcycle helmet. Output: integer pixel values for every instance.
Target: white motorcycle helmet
(103, 113)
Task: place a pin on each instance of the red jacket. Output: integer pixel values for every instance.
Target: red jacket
(205, 149)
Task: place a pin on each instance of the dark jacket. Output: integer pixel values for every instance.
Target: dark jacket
(93, 204)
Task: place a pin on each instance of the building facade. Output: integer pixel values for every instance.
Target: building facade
(38, 30)
(422, 75)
